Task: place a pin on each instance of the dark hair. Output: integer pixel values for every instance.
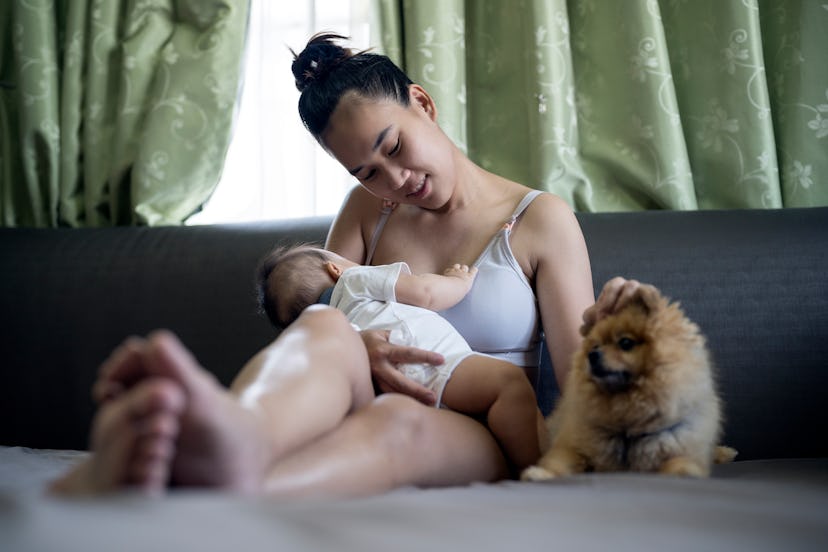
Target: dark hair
(325, 71)
(281, 264)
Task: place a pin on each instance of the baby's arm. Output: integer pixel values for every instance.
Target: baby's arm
(434, 291)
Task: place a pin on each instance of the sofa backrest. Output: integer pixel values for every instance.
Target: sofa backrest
(69, 296)
(755, 281)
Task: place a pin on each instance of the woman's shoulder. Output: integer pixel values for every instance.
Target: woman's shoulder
(359, 208)
(358, 198)
(542, 202)
(355, 221)
(537, 207)
(550, 215)
(546, 204)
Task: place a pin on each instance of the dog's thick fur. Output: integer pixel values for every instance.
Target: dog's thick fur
(640, 396)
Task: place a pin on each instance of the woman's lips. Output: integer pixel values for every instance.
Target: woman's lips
(419, 191)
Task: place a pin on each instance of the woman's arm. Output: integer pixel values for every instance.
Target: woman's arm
(435, 291)
(563, 283)
(563, 276)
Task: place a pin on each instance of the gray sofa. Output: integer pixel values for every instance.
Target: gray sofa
(755, 281)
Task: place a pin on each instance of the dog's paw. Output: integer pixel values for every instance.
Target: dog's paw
(723, 454)
(536, 473)
(683, 467)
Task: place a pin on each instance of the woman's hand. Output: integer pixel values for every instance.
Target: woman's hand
(384, 357)
(614, 296)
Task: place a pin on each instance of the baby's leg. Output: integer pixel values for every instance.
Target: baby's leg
(501, 392)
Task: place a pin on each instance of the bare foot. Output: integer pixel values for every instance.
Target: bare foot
(164, 419)
(133, 442)
(221, 443)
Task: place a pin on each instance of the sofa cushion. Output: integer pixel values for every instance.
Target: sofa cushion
(753, 280)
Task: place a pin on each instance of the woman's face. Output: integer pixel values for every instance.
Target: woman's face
(396, 152)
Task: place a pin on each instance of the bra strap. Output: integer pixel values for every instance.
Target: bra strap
(524, 203)
(387, 209)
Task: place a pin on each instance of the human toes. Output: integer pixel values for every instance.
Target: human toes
(133, 434)
(150, 467)
(169, 358)
(133, 437)
(121, 370)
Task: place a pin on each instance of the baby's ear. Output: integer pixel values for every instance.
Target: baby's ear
(333, 269)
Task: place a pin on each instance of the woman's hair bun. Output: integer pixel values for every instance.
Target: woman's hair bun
(319, 57)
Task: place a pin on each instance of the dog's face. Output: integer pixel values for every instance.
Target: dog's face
(623, 350)
(618, 350)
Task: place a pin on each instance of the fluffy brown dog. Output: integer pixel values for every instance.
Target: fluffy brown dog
(640, 396)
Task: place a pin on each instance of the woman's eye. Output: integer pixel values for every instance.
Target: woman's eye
(370, 175)
(626, 344)
(396, 148)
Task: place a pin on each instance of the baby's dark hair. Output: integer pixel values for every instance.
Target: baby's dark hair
(284, 285)
(325, 71)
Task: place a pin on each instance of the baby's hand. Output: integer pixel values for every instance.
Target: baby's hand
(464, 272)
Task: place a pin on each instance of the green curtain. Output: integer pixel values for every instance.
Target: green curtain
(629, 104)
(115, 112)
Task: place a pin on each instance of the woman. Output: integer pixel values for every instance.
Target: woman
(302, 417)
(382, 128)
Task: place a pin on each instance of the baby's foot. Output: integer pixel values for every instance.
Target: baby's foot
(133, 442)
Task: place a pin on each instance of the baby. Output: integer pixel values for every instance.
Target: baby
(389, 297)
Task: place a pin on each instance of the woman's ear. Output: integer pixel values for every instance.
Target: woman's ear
(333, 270)
(420, 98)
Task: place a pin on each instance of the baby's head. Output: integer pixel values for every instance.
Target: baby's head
(290, 279)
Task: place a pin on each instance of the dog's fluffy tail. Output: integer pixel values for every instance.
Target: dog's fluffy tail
(723, 454)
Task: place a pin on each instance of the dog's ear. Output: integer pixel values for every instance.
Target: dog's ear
(649, 298)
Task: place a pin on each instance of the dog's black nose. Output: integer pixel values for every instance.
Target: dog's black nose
(596, 361)
(610, 380)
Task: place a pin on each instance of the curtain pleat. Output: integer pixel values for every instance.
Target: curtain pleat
(115, 112)
(633, 104)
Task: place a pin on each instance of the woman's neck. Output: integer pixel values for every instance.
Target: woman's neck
(471, 185)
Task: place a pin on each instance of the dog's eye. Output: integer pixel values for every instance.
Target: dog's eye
(626, 344)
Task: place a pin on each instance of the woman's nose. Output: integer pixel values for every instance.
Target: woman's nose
(398, 178)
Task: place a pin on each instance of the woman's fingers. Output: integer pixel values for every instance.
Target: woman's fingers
(615, 294)
(399, 354)
(384, 357)
(394, 381)
(625, 294)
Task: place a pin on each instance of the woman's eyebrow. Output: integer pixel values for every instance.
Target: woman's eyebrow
(380, 137)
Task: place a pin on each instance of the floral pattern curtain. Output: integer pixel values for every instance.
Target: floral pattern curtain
(115, 112)
(629, 104)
